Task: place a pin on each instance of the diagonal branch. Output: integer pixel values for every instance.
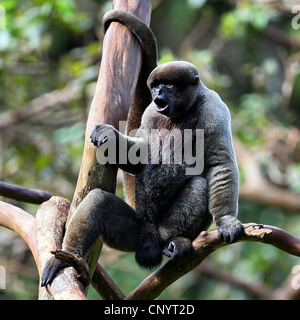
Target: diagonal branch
(105, 286)
(204, 244)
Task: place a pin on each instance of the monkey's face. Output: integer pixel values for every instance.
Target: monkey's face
(171, 100)
(164, 98)
(174, 87)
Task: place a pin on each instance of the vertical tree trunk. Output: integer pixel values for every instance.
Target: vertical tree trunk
(120, 66)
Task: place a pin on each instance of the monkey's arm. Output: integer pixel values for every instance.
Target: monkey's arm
(223, 196)
(128, 153)
(223, 178)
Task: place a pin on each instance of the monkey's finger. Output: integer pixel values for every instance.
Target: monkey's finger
(102, 141)
(93, 136)
(224, 234)
(96, 132)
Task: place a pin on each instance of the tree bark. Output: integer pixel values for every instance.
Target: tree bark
(120, 66)
(114, 90)
(49, 229)
(22, 223)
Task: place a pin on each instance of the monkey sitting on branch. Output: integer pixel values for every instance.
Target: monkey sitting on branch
(185, 170)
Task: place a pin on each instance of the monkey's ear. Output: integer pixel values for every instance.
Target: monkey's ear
(196, 79)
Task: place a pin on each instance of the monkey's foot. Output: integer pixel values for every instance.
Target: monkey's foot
(77, 262)
(229, 228)
(178, 247)
(50, 270)
(63, 259)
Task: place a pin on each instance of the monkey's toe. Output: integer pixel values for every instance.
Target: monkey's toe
(230, 232)
(51, 268)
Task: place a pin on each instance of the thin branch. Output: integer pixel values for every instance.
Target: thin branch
(18, 193)
(282, 240)
(105, 286)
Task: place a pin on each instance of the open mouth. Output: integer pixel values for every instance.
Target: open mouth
(160, 104)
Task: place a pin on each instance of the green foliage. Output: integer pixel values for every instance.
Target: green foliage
(50, 45)
(248, 14)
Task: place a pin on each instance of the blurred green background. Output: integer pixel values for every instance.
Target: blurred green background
(248, 51)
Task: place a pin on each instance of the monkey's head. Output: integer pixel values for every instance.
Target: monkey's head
(174, 87)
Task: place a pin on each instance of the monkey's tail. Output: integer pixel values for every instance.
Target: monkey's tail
(149, 249)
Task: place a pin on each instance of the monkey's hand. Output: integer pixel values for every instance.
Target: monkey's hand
(102, 133)
(229, 228)
(51, 268)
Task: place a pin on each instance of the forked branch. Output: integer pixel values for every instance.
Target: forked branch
(49, 231)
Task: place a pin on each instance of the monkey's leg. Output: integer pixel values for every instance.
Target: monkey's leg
(100, 214)
(187, 216)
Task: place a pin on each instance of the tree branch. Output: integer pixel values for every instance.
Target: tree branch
(204, 244)
(18, 193)
(50, 223)
(50, 227)
(113, 94)
(105, 286)
(22, 223)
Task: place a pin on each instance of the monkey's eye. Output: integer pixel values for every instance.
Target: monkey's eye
(169, 86)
